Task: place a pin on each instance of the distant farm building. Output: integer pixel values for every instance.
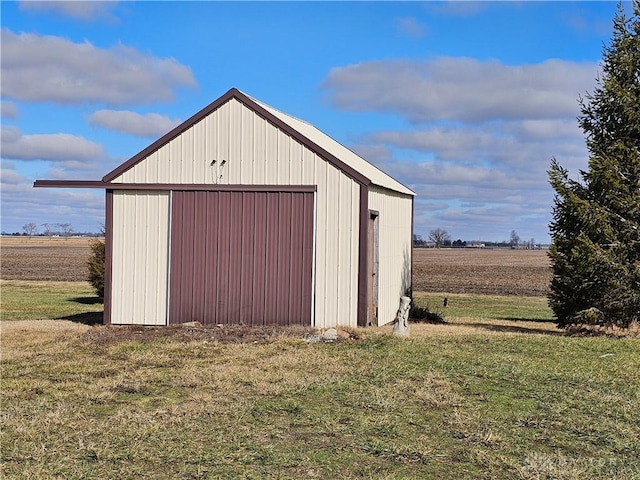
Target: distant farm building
(246, 215)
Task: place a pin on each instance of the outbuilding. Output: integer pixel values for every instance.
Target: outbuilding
(246, 215)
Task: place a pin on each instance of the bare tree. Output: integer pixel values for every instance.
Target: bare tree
(65, 228)
(30, 229)
(439, 237)
(47, 229)
(515, 239)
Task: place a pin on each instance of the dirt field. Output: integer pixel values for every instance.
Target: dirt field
(42, 258)
(492, 272)
(481, 271)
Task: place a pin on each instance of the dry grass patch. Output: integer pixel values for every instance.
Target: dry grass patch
(182, 333)
(94, 402)
(477, 326)
(17, 337)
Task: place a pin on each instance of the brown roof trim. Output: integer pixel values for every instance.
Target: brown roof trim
(169, 136)
(363, 256)
(335, 161)
(70, 184)
(251, 104)
(218, 188)
(412, 249)
(108, 261)
(174, 186)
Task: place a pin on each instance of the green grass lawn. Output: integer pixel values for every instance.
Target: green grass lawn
(481, 405)
(450, 407)
(487, 306)
(31, 300)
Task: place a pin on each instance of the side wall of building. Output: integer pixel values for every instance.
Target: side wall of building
(394, 248)
(140, 246)
(255, 152)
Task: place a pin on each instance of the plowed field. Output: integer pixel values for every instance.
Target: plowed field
(481, 271)
(477, 271)
(44, 259)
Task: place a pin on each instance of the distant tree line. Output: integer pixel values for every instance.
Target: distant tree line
(50, 230)
(440, 238)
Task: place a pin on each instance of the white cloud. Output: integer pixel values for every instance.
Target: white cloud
(147, 125)
(373, 153)
(552, 129)
(9, 134)
(80, 10)
(8, 109)
(445, 142)
(39, 68)
(22, 203)
(583, 24)
(525, 147)
(495, 222)
(9, 175)
(478, 140)
(463, 182)
(411, 26)
(57, 147)
(481, 168)
(521, 144)
(457, 8)
(460, 89)
(484, 220)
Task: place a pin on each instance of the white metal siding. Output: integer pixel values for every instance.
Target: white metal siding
(258, 153)
(374, 174)
(140, 253)
(394, 250)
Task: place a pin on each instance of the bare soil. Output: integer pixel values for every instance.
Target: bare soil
(44, 259)
(481, 271)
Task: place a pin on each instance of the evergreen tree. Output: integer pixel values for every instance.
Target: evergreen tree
(95, 265)
(595, 251)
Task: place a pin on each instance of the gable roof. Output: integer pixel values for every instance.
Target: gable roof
(335, 153)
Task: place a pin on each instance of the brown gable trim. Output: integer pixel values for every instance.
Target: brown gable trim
(410, 293)
(169, 136)
(70, 184)
(174, 186)
(225, 188)
(108, 260)
(363, 256)
(336, 162)
(252, 105)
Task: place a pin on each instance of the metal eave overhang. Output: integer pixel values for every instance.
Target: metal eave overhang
(70, 184)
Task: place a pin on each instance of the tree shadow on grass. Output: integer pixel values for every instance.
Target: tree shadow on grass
(86, 300)
(514, 328)
(86, 318)
(520, 319)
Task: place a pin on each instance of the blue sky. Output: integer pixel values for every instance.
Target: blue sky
(464, 102)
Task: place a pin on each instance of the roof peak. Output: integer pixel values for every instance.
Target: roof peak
(304, 132)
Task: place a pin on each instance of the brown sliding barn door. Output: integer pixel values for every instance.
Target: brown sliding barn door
(241, 258)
